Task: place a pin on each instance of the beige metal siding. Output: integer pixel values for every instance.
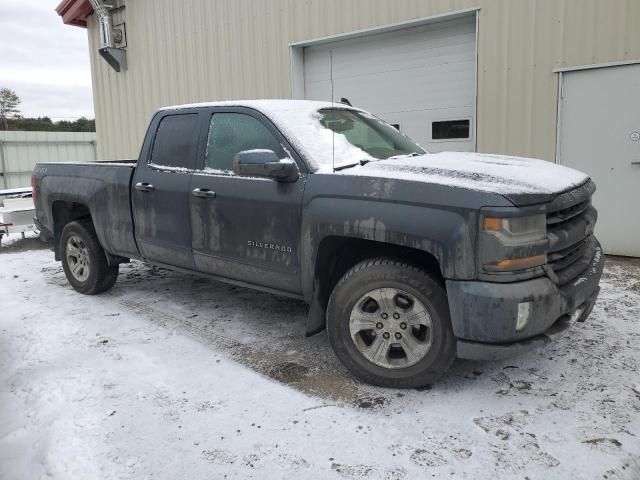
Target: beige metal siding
(20, 151)
(197, 50)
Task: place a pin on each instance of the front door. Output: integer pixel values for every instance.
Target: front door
(600, 135)
(243, 228)
(160, 190)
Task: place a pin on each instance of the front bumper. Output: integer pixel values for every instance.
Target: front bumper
(483, 314)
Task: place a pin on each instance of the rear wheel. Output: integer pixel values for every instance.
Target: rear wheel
(84, 260)
(389, 324)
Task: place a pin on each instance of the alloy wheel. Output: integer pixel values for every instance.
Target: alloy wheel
(78, 258)
(391, 328)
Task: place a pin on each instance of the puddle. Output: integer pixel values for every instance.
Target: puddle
(288, 372)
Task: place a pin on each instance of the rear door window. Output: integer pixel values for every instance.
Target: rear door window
(231, 133)
(176, 141)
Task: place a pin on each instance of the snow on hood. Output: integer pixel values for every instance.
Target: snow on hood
(474, 171)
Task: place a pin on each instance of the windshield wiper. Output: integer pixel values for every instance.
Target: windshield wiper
(412, 154)
(364, 161)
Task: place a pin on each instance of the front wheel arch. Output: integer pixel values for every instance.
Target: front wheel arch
(336, 255)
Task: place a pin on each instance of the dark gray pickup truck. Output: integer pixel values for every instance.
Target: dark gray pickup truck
(409, 259)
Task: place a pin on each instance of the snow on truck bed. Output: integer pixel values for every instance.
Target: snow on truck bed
(299, 122)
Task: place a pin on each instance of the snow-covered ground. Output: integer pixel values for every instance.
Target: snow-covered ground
(14, 241)
(171, 376)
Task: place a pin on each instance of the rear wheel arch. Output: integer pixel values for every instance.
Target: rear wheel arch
(64, 212)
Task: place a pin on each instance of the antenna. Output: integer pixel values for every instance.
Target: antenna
(333, 136)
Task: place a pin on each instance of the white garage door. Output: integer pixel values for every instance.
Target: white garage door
(600, 135)
(421, 79)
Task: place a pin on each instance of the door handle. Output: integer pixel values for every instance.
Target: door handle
(145, 187)
(203, 193)
(635, 163)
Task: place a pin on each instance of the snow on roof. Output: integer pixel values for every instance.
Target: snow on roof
(299, 121)
(263, 104)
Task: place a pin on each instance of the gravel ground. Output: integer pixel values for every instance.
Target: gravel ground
(169, 375)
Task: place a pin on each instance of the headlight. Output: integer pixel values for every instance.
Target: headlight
(516, 230)
(513, 244)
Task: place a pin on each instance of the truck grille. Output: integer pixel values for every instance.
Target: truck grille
(566, 214)
(571, 243)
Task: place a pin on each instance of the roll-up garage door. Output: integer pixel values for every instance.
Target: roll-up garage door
(420, 79)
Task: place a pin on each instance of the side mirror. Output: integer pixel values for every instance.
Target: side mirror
(265, 163)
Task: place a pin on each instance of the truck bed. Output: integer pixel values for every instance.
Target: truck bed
(103, 186)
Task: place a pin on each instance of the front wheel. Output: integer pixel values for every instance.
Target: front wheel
(84, 260)
(388, 322)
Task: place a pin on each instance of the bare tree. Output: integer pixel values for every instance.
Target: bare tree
(9, 102)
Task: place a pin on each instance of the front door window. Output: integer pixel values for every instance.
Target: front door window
(231, 133)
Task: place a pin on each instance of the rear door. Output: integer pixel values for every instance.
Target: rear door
(244, 228)
(160, 190)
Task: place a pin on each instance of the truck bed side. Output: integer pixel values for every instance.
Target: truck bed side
(101, 190)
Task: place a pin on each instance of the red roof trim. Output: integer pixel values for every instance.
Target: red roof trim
(75, 12)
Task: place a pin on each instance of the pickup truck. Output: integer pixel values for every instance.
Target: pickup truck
(408, 259)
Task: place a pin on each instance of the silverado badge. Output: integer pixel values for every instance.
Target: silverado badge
(269, 246)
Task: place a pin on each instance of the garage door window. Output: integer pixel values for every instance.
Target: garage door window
(450, 130)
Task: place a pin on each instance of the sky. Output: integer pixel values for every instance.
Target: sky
(44, 61)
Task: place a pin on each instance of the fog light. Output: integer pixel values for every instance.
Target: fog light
(524, 314)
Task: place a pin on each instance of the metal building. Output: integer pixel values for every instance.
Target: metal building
(518, 77)
(20, 151)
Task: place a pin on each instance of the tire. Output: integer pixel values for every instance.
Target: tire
(426, 347)
(84, 260)
(109, 279)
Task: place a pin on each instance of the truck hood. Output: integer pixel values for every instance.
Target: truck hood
(523, 181)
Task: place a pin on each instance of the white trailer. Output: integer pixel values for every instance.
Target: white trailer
(16, 211)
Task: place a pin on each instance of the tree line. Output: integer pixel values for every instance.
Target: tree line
(10, 118)
(45, 124)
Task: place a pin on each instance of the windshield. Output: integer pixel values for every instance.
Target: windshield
(377, 138)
